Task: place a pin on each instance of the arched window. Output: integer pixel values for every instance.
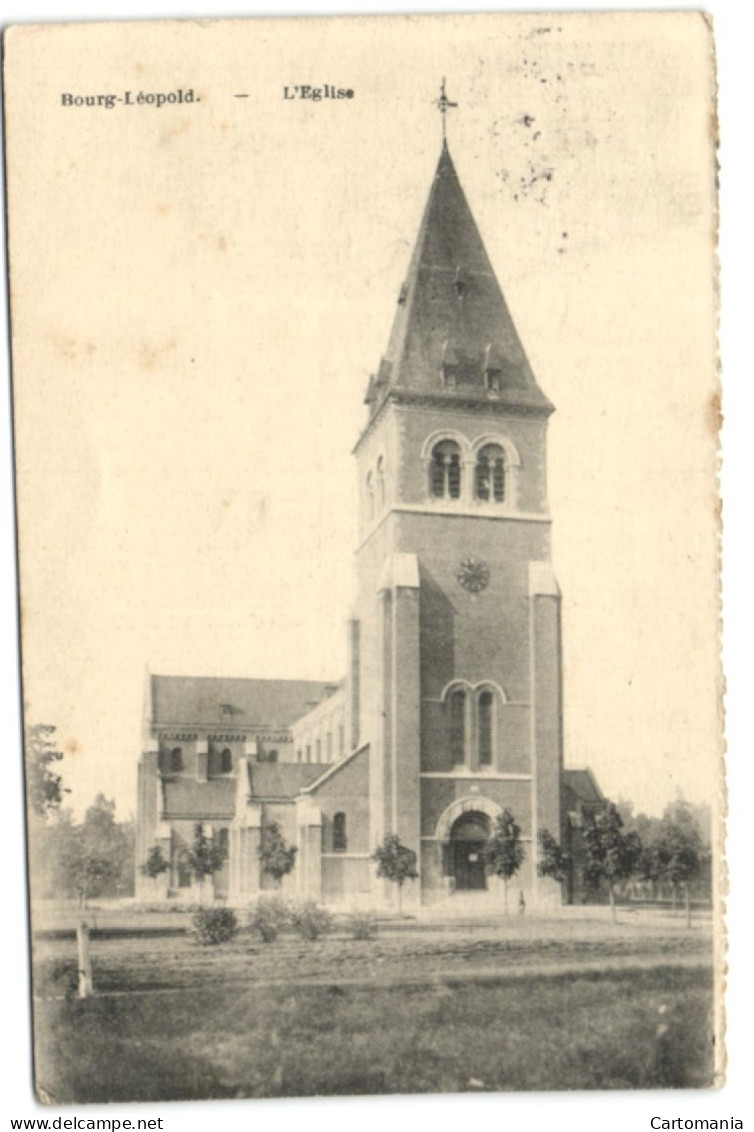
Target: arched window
(489, 474)
(458, 727)
(339, 838)
(226, 761)
(381, 483)
(176, 760)
(370, 496)
(485, 728)
(445, 470)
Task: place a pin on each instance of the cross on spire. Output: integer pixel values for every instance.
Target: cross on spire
(444, 104)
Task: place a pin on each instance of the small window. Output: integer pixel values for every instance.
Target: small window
(272, 756)
(458, 727)
(319, 750)
(341, 739)
(226, 761)
(370, 496)
(381, 482)
(223, 840)
(339, 839)
(176, 760)
(183, 872)
(328, 745)
(445, 470)
(308, 752)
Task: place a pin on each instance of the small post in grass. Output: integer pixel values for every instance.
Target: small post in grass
(86, 981)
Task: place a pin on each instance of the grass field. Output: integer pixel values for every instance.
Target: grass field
(540, 1005)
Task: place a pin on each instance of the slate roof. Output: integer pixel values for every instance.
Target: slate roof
(233, 704)
(583, 785)
(186, 798)
(451, 310)
(281, 780)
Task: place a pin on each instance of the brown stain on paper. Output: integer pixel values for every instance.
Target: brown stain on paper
(713, 413)
(149, 355)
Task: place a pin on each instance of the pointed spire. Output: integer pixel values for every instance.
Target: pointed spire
(452, 321)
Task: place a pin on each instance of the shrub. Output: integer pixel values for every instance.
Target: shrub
(269, 916)
(362, 925)
(311, 921)
(214, 925)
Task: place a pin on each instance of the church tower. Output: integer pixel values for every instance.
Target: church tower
(456, 661)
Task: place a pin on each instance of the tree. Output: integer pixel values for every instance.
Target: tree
(204, 858)
(156, 864)
(553, 861)
(45, 788)
(94, 858)
(503, 853)
(679, 850)
(276, 855)
(650, 865)
(611, 854)
(396, 863)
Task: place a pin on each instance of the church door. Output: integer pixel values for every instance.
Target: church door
(467, 838)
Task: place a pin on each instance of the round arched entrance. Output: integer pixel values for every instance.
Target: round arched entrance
(468, 836)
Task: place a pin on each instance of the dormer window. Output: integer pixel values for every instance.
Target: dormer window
(445, 470)
(449, 364)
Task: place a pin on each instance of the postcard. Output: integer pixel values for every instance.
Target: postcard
(366, 416)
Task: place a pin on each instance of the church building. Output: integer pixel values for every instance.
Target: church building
(451, 708)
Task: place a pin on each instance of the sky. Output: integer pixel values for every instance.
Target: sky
(218, 281)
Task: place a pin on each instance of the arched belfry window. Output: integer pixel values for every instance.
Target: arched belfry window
(176, 759)
(489, 474)
(485, 707)
(226, 761)
(445, 470)
(339, 837)
(381, 483)
(457, 708)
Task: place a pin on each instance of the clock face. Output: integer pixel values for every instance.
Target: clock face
(473, 574)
